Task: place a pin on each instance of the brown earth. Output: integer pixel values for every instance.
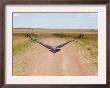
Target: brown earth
(39, 61)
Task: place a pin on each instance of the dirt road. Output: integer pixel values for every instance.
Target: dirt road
(38, 61)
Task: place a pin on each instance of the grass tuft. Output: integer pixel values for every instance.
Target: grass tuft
(20, 42)
(90, 49)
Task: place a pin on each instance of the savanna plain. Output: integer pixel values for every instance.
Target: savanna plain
(78, 58)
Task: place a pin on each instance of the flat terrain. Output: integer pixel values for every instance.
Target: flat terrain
(49, 31)
(38, 61)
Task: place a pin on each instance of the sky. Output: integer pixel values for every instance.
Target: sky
(56, 20)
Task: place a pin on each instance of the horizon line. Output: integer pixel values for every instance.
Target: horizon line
(55, 28)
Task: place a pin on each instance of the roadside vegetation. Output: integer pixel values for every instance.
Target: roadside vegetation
(89, 48)
(88, 45)
(21, 42)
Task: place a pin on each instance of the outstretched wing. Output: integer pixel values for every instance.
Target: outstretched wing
(35, 40)
(61, 45)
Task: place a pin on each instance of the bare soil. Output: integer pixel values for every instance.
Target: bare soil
(39, 61)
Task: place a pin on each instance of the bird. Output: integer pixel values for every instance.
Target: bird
(52, 49)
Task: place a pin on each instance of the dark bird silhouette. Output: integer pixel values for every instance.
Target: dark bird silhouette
(53, 49)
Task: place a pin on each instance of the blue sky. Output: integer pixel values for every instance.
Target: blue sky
(56, 20)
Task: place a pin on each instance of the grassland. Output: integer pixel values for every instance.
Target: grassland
(89, 48)
(88, 44)
(20, 42)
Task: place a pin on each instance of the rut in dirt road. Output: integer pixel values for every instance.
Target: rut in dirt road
(41, 62)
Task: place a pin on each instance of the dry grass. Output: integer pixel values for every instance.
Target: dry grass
(20, 65)
(21, 43)
(88, 45)
(89, 50)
